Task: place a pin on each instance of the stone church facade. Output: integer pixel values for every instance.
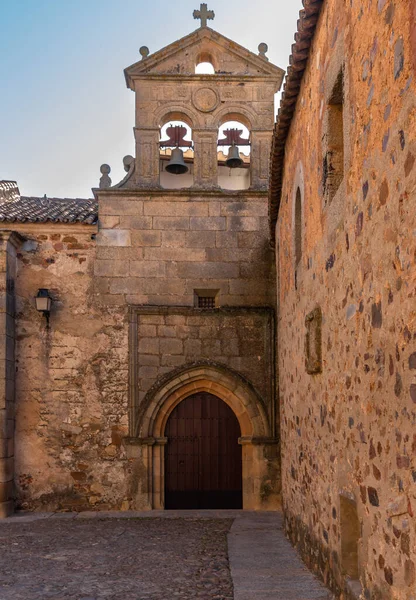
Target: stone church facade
(343, 220)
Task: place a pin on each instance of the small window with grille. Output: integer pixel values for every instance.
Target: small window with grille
(206, 298)
(206, 302)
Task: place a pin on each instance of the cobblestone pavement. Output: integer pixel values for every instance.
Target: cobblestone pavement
(158, 555)
(114, 559)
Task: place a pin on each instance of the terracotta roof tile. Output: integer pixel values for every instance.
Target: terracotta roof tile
(23, 209)
(8, 191)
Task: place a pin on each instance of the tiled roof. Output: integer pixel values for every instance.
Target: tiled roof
(308, 19)
(23, 209)
(8, 191)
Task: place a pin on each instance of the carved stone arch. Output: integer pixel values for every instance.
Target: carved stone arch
(208, 54)
(210, 377)
(146, 450)
(178, 112)
(236, 112)
(246, 117)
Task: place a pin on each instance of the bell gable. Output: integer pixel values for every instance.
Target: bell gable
(204, 45)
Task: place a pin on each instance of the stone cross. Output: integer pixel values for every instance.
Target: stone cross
(204, 14)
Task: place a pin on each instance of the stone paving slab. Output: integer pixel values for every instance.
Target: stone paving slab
(265, 566)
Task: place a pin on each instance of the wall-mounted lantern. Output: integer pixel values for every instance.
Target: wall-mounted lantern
(44, 303)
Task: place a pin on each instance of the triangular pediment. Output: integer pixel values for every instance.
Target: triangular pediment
(180, 58)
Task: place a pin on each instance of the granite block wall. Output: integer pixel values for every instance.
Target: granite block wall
(157, 249)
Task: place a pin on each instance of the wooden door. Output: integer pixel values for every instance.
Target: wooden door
(203, 460)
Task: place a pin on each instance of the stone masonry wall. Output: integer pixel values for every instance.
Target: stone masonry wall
(72, 379)
(349, 431)
(241, 339)
(158, 248)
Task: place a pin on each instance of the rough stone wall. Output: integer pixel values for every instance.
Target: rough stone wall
(71, 379)
(349, 431)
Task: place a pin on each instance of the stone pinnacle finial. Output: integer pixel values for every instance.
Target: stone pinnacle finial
(263, 48)
(105, 181)
(128, 162)
(144, 52)
(204, 14)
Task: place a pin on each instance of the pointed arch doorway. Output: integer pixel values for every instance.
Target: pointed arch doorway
(203, 457)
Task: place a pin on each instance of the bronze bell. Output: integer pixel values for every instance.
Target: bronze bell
(177, 165)
(234, 161)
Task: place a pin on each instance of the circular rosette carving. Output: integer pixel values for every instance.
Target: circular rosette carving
(206, 99)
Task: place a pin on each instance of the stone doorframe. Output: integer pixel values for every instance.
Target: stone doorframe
(145, 450)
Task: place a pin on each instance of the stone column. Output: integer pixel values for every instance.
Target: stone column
(147, 465)
(261, 473)
(206, 158)
(158, 471)
(139, 453)
(260, 159)
(147, 156)
(8, 243)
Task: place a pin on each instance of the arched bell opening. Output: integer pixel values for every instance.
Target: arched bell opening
(203, 457)
(234, 155)
(205, 64)
(176, 154)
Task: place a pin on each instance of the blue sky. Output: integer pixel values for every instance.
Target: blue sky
(64, 105)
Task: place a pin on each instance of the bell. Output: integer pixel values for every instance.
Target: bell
(234, 161)
(177, 164)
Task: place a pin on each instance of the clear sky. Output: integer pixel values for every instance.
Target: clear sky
(64, 105)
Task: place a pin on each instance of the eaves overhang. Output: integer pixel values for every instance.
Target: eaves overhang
(298, 62)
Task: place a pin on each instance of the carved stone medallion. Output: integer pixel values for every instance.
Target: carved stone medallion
(205, 99)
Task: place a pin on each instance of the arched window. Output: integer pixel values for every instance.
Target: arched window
(234, 150)
(298, 228)
(333, 163)
(204, 64)
(176, 155)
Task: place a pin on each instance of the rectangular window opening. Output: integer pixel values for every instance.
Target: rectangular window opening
(206, 299)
